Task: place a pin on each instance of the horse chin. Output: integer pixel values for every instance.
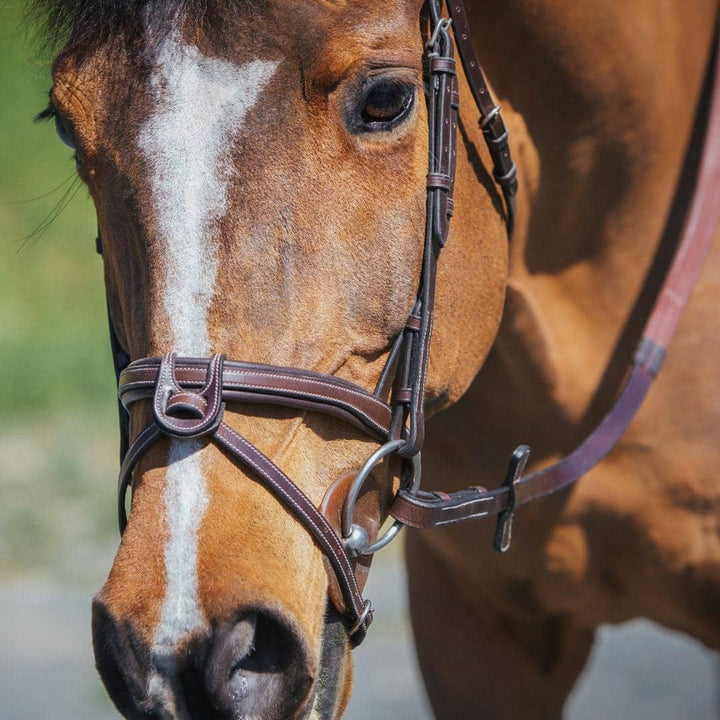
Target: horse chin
(332, 688)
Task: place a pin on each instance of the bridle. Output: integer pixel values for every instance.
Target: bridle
(189, 394)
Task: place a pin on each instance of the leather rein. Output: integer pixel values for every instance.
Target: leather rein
(189, 394)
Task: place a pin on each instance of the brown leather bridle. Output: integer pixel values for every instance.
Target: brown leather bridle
(189, 394)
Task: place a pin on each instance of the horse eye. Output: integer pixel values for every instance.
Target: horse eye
(64, 132)
(386, 103)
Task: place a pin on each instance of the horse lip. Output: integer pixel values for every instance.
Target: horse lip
(322, 704)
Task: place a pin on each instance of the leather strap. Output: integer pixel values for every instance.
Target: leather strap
(267, 384)
(491, 122)
(426, 510)
(121, 360)
(442, 101)
(313, 520)
(699, 229)
(442, 104)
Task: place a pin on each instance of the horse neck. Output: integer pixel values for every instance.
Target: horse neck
(609, 116)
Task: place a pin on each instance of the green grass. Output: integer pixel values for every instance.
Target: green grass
(58, 444)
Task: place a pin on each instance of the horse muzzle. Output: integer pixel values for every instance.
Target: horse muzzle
(255, 665)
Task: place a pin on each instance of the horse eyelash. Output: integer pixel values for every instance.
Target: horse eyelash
(49, 113)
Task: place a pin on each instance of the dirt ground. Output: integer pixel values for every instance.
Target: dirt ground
(637, 671)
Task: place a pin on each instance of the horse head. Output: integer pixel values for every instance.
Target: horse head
(259, 174)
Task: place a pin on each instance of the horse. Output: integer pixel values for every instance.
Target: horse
(259, 174)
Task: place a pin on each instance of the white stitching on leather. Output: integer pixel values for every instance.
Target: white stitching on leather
(325, 528)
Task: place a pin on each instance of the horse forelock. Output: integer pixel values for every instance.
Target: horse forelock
(83, 25)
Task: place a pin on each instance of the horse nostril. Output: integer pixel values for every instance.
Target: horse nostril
(258, 667)
(122, 660)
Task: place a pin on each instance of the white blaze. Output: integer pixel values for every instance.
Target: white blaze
(186, 500)
(200, 106)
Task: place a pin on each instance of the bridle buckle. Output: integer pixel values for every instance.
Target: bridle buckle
(442, 26)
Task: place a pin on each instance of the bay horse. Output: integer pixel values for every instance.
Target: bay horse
(259, 174)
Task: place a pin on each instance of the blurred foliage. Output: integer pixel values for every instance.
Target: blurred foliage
(54, 353)
(58, 444)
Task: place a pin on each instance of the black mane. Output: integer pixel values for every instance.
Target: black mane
(81, 25)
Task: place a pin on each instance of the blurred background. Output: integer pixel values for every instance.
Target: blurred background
(58, 461)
